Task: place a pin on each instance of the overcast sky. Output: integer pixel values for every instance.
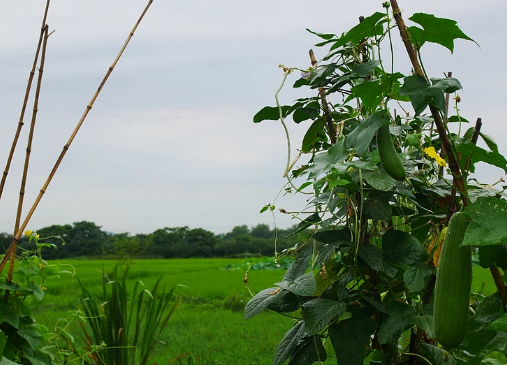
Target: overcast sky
(170, 141)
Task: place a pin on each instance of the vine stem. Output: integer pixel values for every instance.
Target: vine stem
(25, 102)
(22, 227)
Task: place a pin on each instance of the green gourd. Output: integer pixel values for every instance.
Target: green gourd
(453, 285)
(388, 155)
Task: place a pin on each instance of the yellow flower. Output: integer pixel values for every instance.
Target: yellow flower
(37, 236)
(28, 233)
(430, 151)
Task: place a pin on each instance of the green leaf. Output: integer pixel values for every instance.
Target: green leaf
(37, 291)
(309, 351)
(425, 322)
(3, 341)
(365, 68)
(304, 285)
(350, 338)
(319, 312)
(478, 337)
(325, 161)
(478, 154)
(7, 314)
(489, 141)
(288, 344)
(312, 134)
(6, 361)
(270, 113)
(299, 266)
(438, 30)
(414, 277)
(369, 27)
(31, 335)
(488, 226)
(284, 302)
(493, 256)
(377, 209)
(322, 35)
(372, 255)
(335, 236)
(361, 136)
(500, 324)
(401, 318)
(401, 248)
(370, 93)
(260, 302)
(439, 355)
(379, 180)
(421, 93)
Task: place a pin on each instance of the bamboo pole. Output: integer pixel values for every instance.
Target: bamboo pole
(23, 108)
(27, 157)
(23, 225)
(442, 131)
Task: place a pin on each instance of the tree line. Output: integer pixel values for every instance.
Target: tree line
(86, 239)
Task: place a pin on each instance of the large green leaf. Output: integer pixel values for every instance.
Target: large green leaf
(422, 94)
(377, 209)
(439, 355)
(325, 161)
(288, 343)
(270, 113)
(493, 256)
(336, 236)
(260, 302)
(31, 335)
(319, 312)
(414, 277)
(372, 255)
(438, 30)
(350, 338)
(479, 338)
(7, 314)
(312, 135)
(284, 302)
(478, 154)
(299, 266)
(304, 285)
(401, 317)
(370, 93)
(369, 27)
(379, 180)
(361, 136)
(401, 248)
(488, 225)
(310, 350)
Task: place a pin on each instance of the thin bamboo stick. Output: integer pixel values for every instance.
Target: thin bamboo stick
(27, 157)
(22, 227)
(23, 108)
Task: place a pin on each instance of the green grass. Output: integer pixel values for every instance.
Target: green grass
(209, 322)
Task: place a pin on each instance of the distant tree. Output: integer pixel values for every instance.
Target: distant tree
(262, 231)
(237, 231)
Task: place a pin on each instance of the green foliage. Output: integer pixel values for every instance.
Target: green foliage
(128, 324)
(364, 269)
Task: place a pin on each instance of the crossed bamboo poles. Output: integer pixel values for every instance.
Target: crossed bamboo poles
(11, 250)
